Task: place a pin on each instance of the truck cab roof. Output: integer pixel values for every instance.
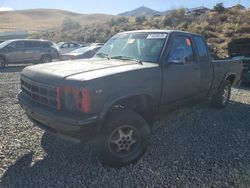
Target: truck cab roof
(160, 31)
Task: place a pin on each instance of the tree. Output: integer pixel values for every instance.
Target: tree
(219, 7)
(140, 19)
(69, 24)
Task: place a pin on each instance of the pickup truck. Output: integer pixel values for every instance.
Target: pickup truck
(114, 98)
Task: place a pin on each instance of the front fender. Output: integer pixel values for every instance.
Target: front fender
(113, 100)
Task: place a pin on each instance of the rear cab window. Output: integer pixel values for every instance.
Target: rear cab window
(201, 48)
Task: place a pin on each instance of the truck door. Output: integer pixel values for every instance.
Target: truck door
(181, 71)
(206, 64)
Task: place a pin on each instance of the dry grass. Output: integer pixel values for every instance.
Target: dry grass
(46, 18)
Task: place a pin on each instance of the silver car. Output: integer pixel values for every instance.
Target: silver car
(80, 53)
(22, 51)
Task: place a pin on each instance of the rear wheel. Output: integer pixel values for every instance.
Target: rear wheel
(46, 59)
(124, 138)
(2, 63)
(221, 99)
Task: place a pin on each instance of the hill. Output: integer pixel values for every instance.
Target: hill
(219, 26)
(141, 11)
(36, 19)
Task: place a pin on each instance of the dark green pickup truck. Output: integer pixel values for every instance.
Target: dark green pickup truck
(115, 96)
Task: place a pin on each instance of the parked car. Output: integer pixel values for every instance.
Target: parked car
(80, 53)
(240, 49)
(21, 51)
(65, 47)
(114, 97)
(96, 44)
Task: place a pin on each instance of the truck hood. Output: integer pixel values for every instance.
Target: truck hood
(54, 73)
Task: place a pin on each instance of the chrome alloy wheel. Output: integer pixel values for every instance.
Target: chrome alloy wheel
(123, 140)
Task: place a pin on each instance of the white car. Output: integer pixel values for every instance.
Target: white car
(65, 47)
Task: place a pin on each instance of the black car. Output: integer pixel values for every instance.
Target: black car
(80, 53)
(240, 49)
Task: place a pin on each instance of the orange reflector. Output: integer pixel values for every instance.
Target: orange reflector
(188, 41)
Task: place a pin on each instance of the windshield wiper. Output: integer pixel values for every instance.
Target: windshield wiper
(101, 54)
(121, 57)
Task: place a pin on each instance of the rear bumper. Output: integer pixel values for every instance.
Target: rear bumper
(73, 127)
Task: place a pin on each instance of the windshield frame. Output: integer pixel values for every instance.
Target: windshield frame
(5, 43)
(157, 59)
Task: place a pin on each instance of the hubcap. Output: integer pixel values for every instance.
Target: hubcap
(45, 60)
(225, 94)
(123, 140)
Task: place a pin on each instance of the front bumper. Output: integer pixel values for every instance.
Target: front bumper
(73, 127)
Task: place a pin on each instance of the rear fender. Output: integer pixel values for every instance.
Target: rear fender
(227, 76)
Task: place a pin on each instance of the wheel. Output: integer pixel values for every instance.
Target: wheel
(221, 99)
(124, 138)
(2, 63)
(46, 59)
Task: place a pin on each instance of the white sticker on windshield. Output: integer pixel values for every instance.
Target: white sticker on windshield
(157, 36)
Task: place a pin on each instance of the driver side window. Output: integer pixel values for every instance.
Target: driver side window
(181, 50)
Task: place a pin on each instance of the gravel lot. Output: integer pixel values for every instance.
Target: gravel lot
(193, 147)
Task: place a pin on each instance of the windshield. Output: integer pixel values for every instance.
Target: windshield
(59, 43)
(5, 43)
(140, 46)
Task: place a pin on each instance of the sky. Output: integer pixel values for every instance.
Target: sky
(112, 6)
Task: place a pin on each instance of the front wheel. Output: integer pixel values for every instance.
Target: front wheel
(124, 138)
(221, 99)
(46, 59)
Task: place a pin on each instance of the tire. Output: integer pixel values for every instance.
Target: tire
(221, 99)
(124, 138)
(2, 63)
(46, 59)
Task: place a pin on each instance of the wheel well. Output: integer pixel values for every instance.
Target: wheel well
(46, 55)
(231, 78)
(142, 104)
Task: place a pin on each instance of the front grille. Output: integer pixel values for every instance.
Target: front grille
(40, 93)
(246, 65)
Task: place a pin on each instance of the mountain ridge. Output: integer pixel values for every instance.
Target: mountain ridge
(141, 11)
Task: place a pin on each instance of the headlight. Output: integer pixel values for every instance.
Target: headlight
(73, 99)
